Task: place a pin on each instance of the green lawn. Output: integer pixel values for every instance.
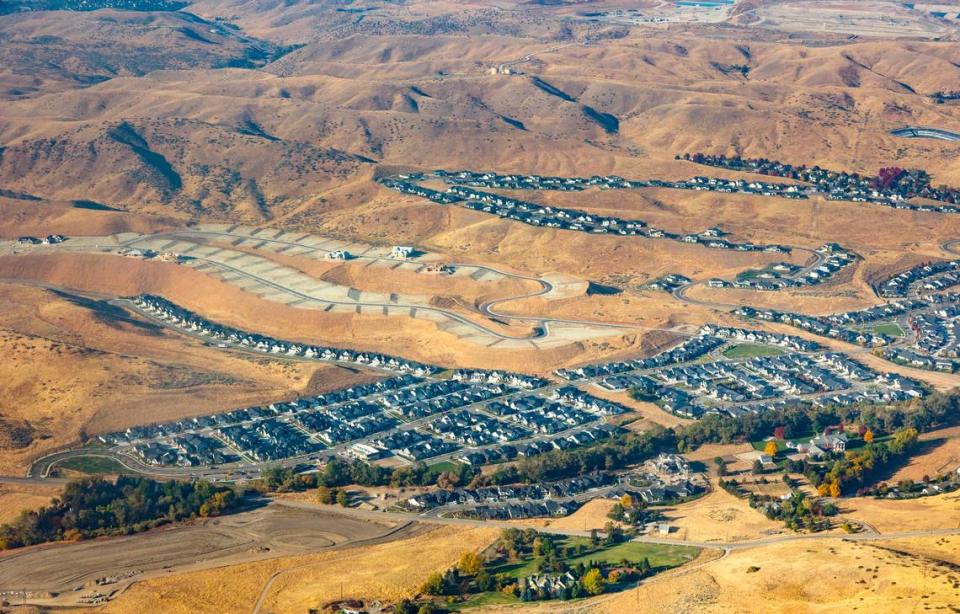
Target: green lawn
(751, 350)
(489, 599)
(443, 466)
(660, 556)
(891, 329)
(92, 465)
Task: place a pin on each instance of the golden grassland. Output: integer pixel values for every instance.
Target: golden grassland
(939, 453)
(834, 576)
(387, 571)
(15, 498)
(719, 516)
(886, 515)
(72, 362)
(591, 515)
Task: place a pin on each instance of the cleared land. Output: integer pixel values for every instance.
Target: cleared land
(264, 533)
(390, 570)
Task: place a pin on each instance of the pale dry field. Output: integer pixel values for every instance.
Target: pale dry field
(719, 517)
(391, 570)
(15, 498)
(826, 576)
(648, 412)
(885, 515)
(73, 364)
(939, 454)
(226, 304)
(591, 515)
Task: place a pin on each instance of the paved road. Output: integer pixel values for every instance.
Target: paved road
(680, 293)
(541, 332)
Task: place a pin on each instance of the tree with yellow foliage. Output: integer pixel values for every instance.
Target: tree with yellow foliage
(771, 448)
(868, 436)
(835, 489)
(470, 564)
(626, 501)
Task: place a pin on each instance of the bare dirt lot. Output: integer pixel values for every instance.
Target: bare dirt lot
(390, 570)
(263, 533)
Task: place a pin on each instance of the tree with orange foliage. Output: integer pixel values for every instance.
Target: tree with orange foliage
(835, 489)
(868, 436)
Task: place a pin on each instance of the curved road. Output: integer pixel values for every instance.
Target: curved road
(485, 309)
(680, 293)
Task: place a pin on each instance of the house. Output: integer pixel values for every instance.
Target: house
(831, 442)
(402, 252)
(338, 254)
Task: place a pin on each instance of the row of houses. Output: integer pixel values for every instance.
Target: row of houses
(690, 349)
(781, 275)
(886, 311)
(921, 276)
(564, 218)
(186, 320)
(790, 342)
(338, 402)
(575, 438)
(614, 182)
(818, 325)
(911, 358)
(894, 187)
(543, 491)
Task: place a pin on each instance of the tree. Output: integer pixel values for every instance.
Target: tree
(902, 440)
(770, 449)
(835, 489)
(626, 501)
(868, 436)
(470, 564)
(757, 467)
(593, 582)
(325, 494)
(780, 432)
(342, 498)
(433, 585)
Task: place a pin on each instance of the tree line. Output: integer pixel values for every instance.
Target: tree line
(93, 507)
(933, 411)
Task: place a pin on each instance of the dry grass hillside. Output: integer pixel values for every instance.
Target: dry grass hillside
(77, 365)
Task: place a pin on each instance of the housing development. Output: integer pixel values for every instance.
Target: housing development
(476, 307)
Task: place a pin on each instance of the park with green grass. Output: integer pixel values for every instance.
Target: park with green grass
(525, 565)
(751, 350)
